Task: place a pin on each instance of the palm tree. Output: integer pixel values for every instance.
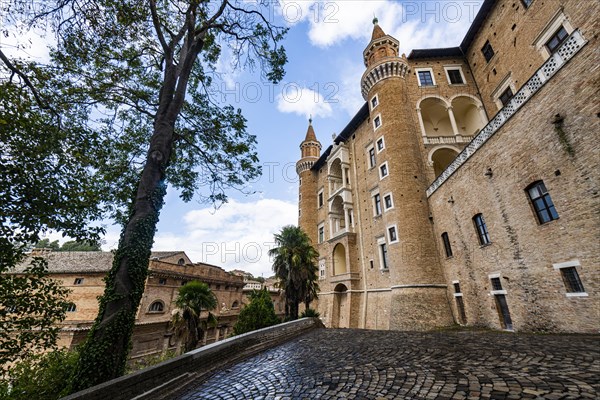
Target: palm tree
(193, 298)
(295, 265)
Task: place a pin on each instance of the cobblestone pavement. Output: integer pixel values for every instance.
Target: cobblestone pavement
(360, 364)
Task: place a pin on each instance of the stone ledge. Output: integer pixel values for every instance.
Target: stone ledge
(150, 382)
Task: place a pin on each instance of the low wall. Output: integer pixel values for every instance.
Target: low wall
(152, 381)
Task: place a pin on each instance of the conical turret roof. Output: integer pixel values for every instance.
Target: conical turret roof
(378, 33)
(310, 133)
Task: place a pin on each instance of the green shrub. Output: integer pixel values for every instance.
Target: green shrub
(260, 313)
(45, 376)
(310, 313)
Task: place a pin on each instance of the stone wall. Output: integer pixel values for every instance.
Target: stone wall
(159, 381)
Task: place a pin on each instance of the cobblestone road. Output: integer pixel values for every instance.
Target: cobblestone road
(359, 364)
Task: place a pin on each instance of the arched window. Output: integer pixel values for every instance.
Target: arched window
(157, 306)
(181, 261)
(71, 307)
(235, 304)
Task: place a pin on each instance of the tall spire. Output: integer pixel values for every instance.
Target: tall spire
(310, 132)
(378, 33)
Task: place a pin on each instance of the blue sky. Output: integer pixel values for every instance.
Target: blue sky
(324, 47)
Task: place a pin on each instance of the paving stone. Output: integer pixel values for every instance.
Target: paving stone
(373, 365)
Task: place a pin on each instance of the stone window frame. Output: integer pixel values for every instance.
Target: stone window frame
(504, 84)
(389, 236)
(383, 253)
(391, 196)
(549, 30)
(322, 269)
(492, 277)
(457, 293)
(159, 305)
(387, 170)
(374, 99)
(431, 74)
(571, 266)
(374, 195)
(455, 67)
(375, 119)
(321, 232)
(381, 140)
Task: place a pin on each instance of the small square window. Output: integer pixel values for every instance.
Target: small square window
(387, 201)
(162, 281)
(488, 51)
(456, 287)
(377, 204)
(383, 170)
(393, 235)
(371, 157)
(380, 144)
(78, 281)
(455, 77)
(377, 122)
(374, 102)
(496, 284)
(425, 78)
(571, 279)
(557, 39)
(542, 203)
(506, 96)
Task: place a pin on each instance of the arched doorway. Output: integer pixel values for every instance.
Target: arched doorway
(341, 307)
(339, 259)
(441, 158)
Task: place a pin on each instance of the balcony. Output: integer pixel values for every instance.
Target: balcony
(447, 139)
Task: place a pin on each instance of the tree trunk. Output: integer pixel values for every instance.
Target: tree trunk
(104, 354)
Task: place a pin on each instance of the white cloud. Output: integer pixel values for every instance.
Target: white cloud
(302, 101)
(238, 235)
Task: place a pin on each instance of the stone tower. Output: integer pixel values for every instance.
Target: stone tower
(418, 297)
(310, 149)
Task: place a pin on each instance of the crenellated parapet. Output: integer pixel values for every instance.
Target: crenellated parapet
(387, 68)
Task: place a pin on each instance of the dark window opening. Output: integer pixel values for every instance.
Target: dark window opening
(321, 199)
(157, 306)
(488, 51)
(506, 96)
(447, 246)
(571, 280)
(557, 39)
(162, 281)
(384, 257)
(455, 76)
(377, 200)
(457, 287)
(371, 157)
(425, 78)
(496, 284)
(542, 203)
(482, 232)
(78, 281)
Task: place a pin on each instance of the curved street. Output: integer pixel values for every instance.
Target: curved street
(362, 364)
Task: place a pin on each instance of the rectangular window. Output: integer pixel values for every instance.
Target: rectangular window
(384, 256)
(542, 202)
(425, 78)
(557, 39)
(377, 204)
(320, 199)
(383, 170)
(496, 284)
(371, 264)
(71, 307)
(506, 96)
(321, 234)
(377, 122)
(455, 77)
(456, 287)
(392, 234)
(447, 246)
(571, 279)
(481, 228)
(162, 281)
(387, 201)
(371, 157)
(380, 144)
(78, 281)
(322, 270)
(488, 51)
(374, 102)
